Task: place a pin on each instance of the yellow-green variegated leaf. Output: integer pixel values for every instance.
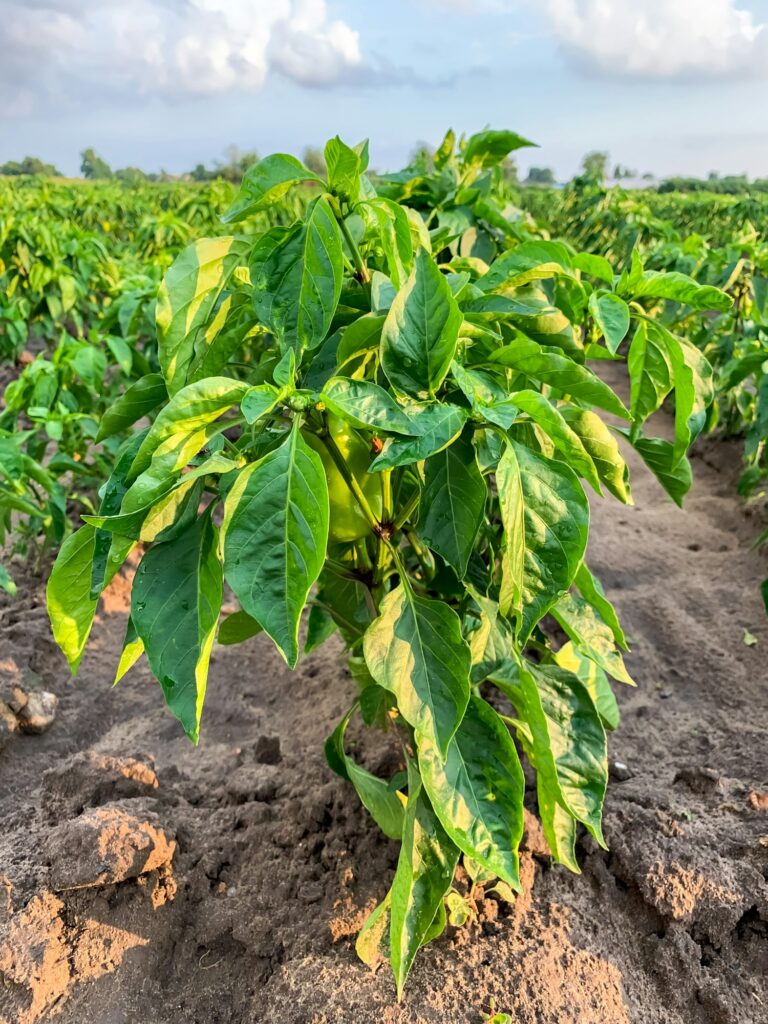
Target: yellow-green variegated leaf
(187, 299)
(602, 447)
(415, 650)
(544, 539)
(477, 790)
(70, 605)
(424, 874)
(185, 419)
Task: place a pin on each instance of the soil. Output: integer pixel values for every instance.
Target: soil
(143, 879)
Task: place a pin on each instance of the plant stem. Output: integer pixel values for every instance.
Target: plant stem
(406, 511)
(362, 270)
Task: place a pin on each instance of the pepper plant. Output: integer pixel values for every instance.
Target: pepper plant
(355, 419)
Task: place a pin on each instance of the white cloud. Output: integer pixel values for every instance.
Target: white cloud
(661, 38)
(475, 6)
(76, 49)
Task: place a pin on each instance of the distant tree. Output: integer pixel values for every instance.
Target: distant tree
(595, 165)
(29, 165)
(236, 164)
(540, 176)
(729, 184)
(620, 172)
(92, 165)
(313, 158)
(201, 173)
(231, 169)
(509, 171)
(422, 157)
(131, 175)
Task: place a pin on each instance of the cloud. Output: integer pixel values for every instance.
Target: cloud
(474, 6)
(662, 39)
(75, 50)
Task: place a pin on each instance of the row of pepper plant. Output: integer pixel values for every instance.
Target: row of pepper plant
(718, 240)
(80, 266)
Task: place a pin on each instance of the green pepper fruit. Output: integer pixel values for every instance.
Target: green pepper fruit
(348, 523)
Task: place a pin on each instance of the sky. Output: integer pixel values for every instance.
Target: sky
(666, 86)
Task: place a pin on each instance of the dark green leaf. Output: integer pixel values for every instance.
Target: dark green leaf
(364, 404)
(236, 628)
(650, 372)
(343, 167)
(452, 503)
(345, 600)
(275, 533)
(320, 626)
(138, 401)
(267, 182)
(383, 804)
(258, 401)
(175, 605)
(488, 397)
(674, 476)
(611, 314)
(487, 148)
(297, 276)
(418, 340)
(436, 426)
(568, 750)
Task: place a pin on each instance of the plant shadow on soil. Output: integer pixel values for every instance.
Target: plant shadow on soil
(142, 879)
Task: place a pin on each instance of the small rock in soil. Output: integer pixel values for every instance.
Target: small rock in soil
(620, 771)
(267, 750)
(107, 845)
(699, 780)
(39, 712)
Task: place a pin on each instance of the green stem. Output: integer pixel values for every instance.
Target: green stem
(386, 500)
(407, 510)
(418, 550)
(362, 270)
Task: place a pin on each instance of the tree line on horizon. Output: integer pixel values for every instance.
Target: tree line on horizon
(595, 167)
